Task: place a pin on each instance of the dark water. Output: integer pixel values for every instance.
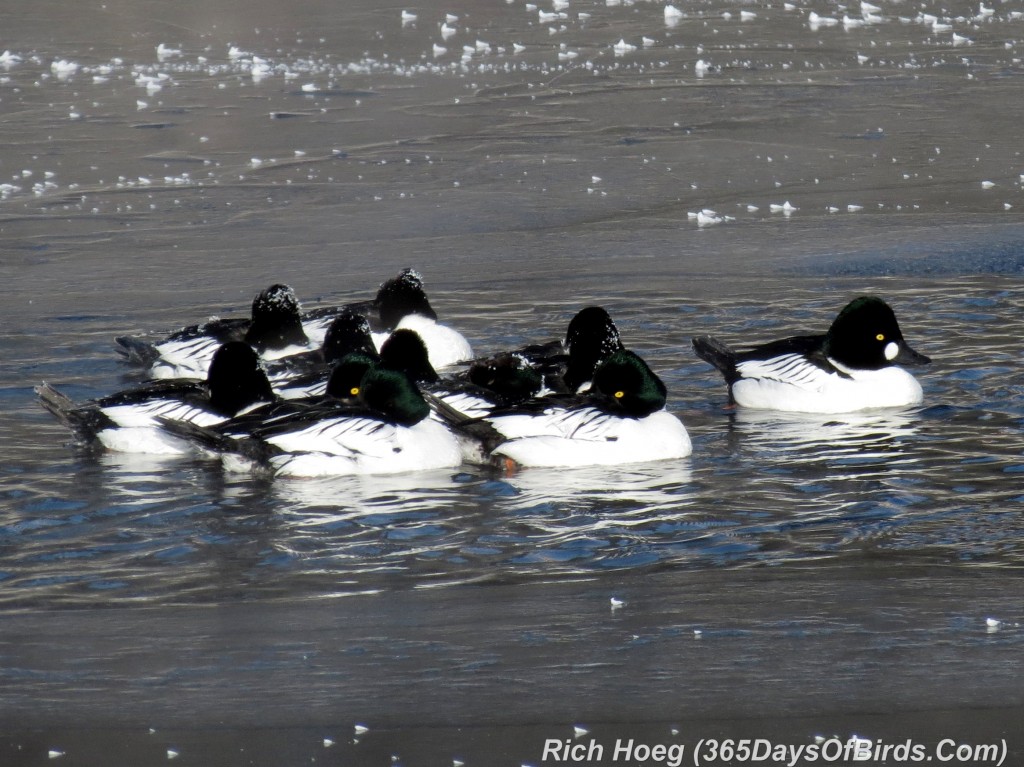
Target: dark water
(797, 577)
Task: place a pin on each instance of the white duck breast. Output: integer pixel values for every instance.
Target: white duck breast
(364, 446)
(790, 382)
(445, 346)
(588, 437)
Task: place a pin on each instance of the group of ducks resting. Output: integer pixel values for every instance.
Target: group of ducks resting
(355, 389)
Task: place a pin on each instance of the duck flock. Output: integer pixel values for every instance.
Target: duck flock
(383, 387)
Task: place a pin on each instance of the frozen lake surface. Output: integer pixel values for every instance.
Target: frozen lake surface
(742, 169)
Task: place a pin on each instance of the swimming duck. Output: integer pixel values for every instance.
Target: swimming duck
(274, 330)
(129, 421)
(856, 365)
(620, 420)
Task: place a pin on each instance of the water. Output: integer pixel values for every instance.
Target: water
(796, 577)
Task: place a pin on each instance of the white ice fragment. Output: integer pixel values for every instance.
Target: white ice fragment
(163, 52)
(309, 88)
(361, 729)
(862, 59)
(616, 603)
(447, 31)
(785, 207)
(993, 623)
(172, 754)
(752, 209)
(961, 39)
(450, 18)
(1007, 206)
(621, 48)
(595, 179)
(559, 5)
(255, 162)
(701, 68)
(648, 42)
(987, 184)
(854, 208)
(672, 15)
(408, 17)
(832, 209)
(815, 21)
(708, 217)
(747, 15)
(235, 53)
(328, 742)
(55, 753)
(439, 50)
(63, 68)
(697, 633)
(983, 11)
(482, 47)
(546, 17)
(8, 59)
(518, 48)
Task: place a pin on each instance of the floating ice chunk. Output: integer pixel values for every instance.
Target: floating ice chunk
(447, 31)
(360, 729)
(992, 624)
(747, 15)
(172, 754)
(621, 48)
(701, 68)
(862, 59)
(518, 48)
(439, 50)
(235, 53)
(648, 42)
(568, 55)
(616, 603)
(560, 5)
(8, 59)
(785, 207)
(866, 8)
(961, 39)
(987, 184)
(854, 208)
(483, 47)
(850, 23)
(708, 217)
(450, 18)
(752, 209)
(546, 17)
(408, 17)
(983, 11)
(672, 15)
(1007, 206)
(164, 52)
(328, 742)
(816, 21)
(63, 68)
(309, 88)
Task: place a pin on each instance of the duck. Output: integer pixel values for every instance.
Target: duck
(401, 302)
(374, 421)
(129, 421)
(856, 365)
(563, 366)
(621, 419)
(307, 374)
(274, 330)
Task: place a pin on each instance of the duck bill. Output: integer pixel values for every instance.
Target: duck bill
(908, 356)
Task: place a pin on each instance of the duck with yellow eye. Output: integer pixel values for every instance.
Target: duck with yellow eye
(373, 420)
(621, 420)
(856, 365)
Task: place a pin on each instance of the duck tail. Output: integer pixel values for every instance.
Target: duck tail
(476, 435)
(84, 422)
(210, 440)
(716, 353)
(137, 351)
